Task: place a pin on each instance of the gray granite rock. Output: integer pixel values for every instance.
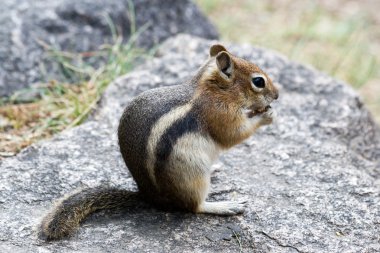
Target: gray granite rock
(81, 26)
(312, 179)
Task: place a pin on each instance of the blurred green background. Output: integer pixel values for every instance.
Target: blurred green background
(339, 37)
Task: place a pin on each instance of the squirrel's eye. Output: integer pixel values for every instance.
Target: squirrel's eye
(259, 82)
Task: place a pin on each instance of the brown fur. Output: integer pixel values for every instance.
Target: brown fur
(185, 194)
(221, 99)
(212, 113)
(72, 209)
(215, 49)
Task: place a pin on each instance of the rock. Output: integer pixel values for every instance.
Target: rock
(312, 179)
(81, 26)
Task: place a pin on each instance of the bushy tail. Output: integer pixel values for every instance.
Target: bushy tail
(66, 217)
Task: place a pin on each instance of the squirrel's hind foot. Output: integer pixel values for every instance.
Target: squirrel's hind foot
(222, 208)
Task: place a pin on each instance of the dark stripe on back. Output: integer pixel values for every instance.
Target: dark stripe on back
(182, 126)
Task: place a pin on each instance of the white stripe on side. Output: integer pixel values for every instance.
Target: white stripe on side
(158, 130)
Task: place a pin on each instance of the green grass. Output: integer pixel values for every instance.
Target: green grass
(345, 45)
(62, 105)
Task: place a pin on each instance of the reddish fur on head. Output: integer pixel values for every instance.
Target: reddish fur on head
(226, 89)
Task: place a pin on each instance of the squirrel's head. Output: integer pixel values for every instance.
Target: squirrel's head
(236, 81)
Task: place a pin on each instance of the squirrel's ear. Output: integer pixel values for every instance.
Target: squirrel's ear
(224, 63)
(215, 49)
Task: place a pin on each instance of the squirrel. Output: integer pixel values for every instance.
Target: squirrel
(169, 138)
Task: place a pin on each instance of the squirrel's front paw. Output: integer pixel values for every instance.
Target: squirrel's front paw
(268, 117)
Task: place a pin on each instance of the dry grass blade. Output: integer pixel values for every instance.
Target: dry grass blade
(64, 105)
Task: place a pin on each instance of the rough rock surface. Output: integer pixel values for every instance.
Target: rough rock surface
(312, 179)
(81, 26)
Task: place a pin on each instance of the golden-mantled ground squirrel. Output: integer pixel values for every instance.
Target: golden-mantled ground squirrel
(170, 136)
